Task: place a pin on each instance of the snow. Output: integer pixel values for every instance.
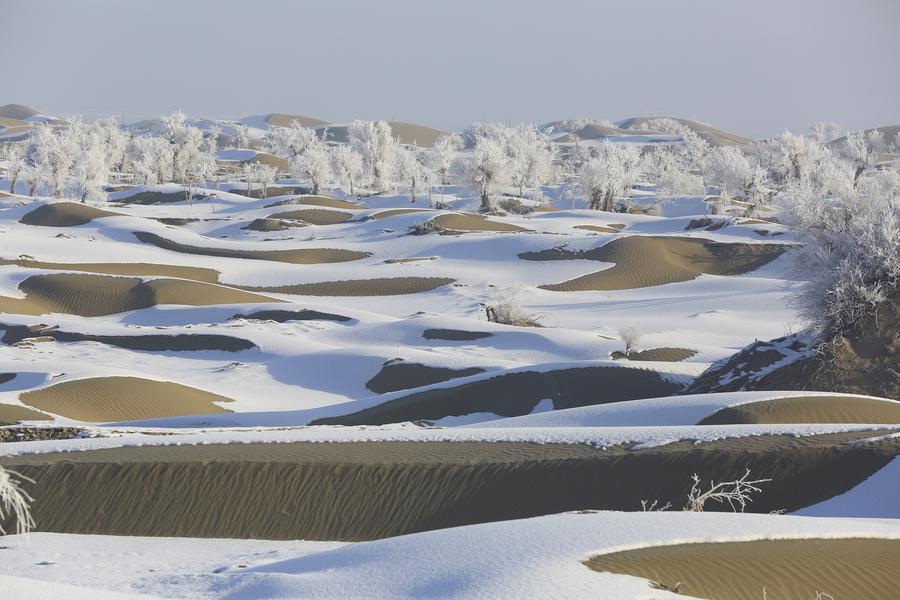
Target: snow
(528, 558)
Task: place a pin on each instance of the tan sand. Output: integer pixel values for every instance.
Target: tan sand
(282, 316)
(316, 201)
(184, 342)
(65, 214)
(663, 354)
(10, 414)
(103, 399)
(716, 137)
(397, 261)
(135, 269)
(383, 286)
(270, 159)
(597, 228)
(267, 224)
(545, 208)
(645, 261)
(455, 335)
(810, 409)
(393, 212)
(151, 197)
(406, 133)
(857, 568)
(515, 394)
(300, 256)
(177, 221)
(356, 491)
(96, 295)
(285, 120)
(395, 376)
(314, 216)
(472, 222)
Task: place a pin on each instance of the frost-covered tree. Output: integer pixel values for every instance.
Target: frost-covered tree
(484, 169)
(114, 141)
(849, 258)
(347, 165)
(692, 152)
(53, 154)
(864, 149)
(727, 168)
(257, 173)
(530, 157)
(150, 159)
(291, 142)
(443, 154)
(663, 168)
(15, 165)
(376, 144)
(609, 173)
(313, 164)
(824, 132)
(241, 136)
(412, 170)
(91, 166)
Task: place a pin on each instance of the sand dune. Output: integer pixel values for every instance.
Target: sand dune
(285, 120)
(406, 133)
(857, 568)
(472, 222)
(183, 342)
(299, 256)
(103, 399)
(316, 201)
(393, 212)
(65, 214)
(177, 221)
(355, 491)
(404, 376)
(382, 286)
(645, 261)
(314, 216)
(283, 316)
(153, 197)
(810, 409)
(716, 137)
(455, 335)
(515, 394)
(10, 414)
(135, 269)
(98, 295)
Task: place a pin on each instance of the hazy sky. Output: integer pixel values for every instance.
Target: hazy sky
(754, 67)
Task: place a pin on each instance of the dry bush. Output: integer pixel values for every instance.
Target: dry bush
(504, 308)
(630, 336)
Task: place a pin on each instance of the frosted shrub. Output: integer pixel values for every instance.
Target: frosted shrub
(14, 501)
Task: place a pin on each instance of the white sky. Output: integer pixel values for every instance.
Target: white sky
(751, 67)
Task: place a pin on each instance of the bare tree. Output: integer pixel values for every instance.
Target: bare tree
(737, 493)
(14, 501)
(630, 335)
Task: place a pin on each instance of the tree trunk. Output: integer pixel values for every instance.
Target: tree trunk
(351, 186)
(485, 202)
(315, 189)
(608, 201)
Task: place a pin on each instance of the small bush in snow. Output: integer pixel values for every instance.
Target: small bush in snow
(14, 501)
(504, 308)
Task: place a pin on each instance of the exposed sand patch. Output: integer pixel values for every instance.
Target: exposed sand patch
(382, 286)
(135, 269)
(396, 261)
(285, 120)
(283, 316)
(597, 228)
(314, 216)
(10, 414)
(355, 491)
(183, 342)
(810, 409)
(176, 221)
(659, 354)
(516, 394)
(455, 335)
(645, 261)
(65, 214)
(298, 256)
(269, 224)
(102, 399)
(151, 197)
(404, 376)
(472, 222)
(858, 568)
(268, 192)
(98, 295)
(393, 212)
(316, 201)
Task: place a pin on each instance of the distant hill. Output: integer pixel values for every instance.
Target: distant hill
(407, 133)
(716, 137)
(16, 111)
